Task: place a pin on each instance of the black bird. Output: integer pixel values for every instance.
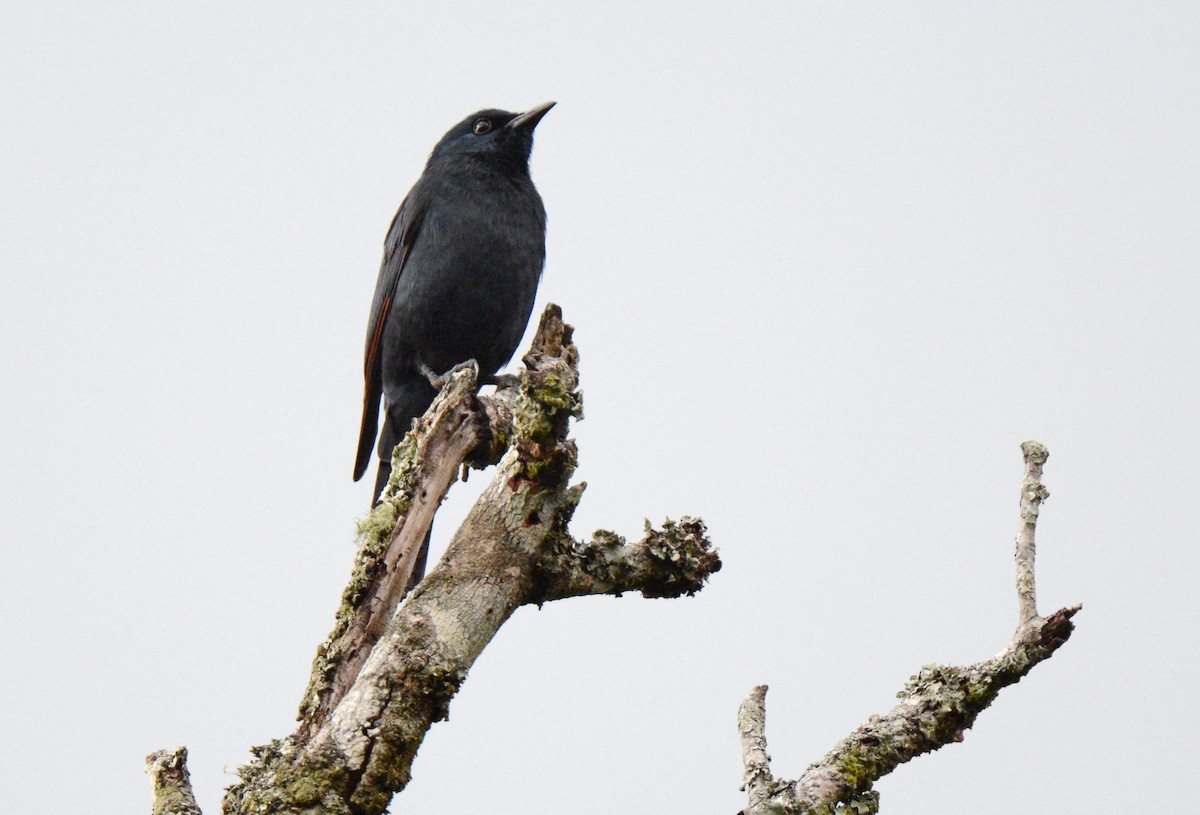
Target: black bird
(461, 266)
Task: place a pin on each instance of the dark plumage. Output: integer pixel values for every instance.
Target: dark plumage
(461, 265)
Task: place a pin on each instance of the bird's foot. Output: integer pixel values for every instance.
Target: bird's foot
(439, 380)
(435, 379)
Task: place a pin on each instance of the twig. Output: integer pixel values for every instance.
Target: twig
(1032, 495)
(752, 726)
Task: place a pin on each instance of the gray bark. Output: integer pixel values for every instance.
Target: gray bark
(391, 665)
(936, 706)
(387, 671)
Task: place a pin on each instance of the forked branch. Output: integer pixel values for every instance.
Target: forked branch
(386, 674)
(935, 707)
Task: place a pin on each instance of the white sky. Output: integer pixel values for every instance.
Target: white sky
(829, 264)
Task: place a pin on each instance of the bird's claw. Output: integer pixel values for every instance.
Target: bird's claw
(439, 380)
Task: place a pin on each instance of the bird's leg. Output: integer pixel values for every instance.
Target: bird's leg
(435, 379)
(439, 380)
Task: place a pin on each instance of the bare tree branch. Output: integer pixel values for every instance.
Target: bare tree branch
(384, 676)
(388, 671)
(172, 784)
(1032, 495)
(935, 707)
(424, 465)
(758, 782)
(670, 562)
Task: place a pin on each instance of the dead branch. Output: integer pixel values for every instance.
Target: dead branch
(935, 707)
(388, 671)
(172, 784)
(424, 465)
(384, 676)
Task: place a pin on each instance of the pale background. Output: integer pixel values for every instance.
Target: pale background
(829, 263)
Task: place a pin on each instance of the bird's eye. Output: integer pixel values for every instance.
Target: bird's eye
(482, 126)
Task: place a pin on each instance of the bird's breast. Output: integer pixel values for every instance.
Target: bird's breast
(468, 285)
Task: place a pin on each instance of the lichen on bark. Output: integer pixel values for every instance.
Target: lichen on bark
(363, 717)
(937, 705)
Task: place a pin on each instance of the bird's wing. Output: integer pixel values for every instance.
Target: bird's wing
(400, 238)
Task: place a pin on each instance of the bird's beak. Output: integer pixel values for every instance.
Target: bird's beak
(529, 119)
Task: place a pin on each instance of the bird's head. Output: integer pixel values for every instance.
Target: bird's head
(498, 133)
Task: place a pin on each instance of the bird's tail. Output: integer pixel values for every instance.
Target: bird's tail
(418, 571)
(381, 479)
(403, 402)
(367, 429)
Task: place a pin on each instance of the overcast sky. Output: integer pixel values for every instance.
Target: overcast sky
(829, 264)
